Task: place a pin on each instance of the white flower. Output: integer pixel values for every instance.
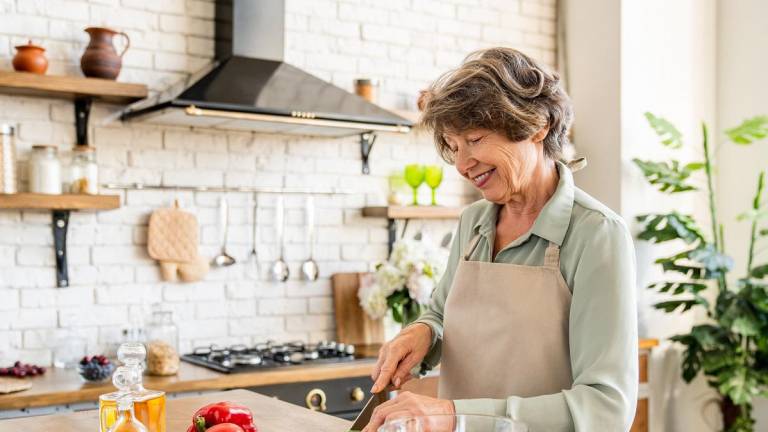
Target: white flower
(372, 300)
(420, 288)
(389, 278)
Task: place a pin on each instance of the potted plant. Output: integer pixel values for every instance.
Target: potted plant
(731, 347)
(404, 283)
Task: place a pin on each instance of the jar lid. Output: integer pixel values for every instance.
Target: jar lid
(44, 147)
(83, 148)
(367, 81)
(6, 129)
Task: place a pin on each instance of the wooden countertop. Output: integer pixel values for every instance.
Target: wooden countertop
(59, 386)
(270, 415)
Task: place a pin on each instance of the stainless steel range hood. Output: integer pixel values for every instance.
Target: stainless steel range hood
(249, 87)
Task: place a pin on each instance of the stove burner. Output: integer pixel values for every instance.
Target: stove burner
(269, 354)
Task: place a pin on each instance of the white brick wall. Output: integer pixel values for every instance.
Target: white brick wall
(406, 43)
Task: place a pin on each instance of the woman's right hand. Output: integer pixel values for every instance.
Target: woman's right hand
(398, 356)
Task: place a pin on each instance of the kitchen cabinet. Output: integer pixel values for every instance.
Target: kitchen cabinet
(269, 414)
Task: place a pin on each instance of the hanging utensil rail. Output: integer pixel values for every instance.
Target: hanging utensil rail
(244, 189)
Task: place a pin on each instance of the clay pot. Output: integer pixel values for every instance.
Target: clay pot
(30, 58)
(100, 60)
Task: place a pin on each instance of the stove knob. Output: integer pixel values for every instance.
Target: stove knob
(316, 400)
(357, 394)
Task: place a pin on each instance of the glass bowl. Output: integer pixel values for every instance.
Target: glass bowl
(453, 423)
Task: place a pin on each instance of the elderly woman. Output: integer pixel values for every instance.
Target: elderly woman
(535, 318)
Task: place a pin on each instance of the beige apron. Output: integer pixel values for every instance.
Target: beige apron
(506, 330)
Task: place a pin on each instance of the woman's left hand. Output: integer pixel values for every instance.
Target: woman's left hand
(408, 404)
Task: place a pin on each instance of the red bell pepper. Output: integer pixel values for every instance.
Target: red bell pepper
(222, 412)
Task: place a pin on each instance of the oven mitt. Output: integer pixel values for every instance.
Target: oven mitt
(172, 240)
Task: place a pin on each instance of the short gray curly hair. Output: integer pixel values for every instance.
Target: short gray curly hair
(503, 90)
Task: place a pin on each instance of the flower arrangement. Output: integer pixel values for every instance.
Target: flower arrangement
(404, 283)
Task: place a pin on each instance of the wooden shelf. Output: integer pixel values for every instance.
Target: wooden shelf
(70, 87)
(413, 212)
(30, 201)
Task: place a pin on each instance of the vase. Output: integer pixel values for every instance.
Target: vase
(30, 58)
(100, 59)
(731, 413)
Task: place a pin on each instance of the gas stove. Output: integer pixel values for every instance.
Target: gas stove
(269, 355)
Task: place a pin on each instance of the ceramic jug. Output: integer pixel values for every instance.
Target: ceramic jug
(30, 58)
(100, 60)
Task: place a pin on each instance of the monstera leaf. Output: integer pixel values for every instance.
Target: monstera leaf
(677, 288)
(749, 130)
(670, 136)
(668, 177)
(659, 228)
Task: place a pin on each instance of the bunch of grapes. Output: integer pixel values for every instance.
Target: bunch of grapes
(96, 368)
(21, 370)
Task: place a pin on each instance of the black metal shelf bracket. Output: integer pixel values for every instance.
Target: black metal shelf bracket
(366, 145)
(60, 226)
(82, 112)
(392, 233)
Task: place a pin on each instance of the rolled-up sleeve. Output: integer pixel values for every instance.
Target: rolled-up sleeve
(433, 315)
(603, 346)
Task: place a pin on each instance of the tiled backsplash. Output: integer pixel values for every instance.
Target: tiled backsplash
(405, 42)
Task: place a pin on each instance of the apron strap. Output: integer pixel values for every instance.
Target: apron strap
(471, 246)
(552, 256)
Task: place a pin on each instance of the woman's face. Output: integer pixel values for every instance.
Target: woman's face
(497, 167)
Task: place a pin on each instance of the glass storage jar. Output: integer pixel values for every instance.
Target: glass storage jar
(83, 171)
(45, 170)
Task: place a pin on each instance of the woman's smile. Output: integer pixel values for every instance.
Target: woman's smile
(481, 180)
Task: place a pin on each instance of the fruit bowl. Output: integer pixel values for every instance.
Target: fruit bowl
(95, 369)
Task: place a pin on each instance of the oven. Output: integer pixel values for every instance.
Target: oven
(340, 397)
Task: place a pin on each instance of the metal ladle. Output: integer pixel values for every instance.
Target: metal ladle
(279, 271)
(309, 269)
(223, 259)
(253, 258)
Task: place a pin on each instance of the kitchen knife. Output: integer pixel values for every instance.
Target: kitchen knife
(365, 415)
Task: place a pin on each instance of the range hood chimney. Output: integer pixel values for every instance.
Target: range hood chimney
(250, 87)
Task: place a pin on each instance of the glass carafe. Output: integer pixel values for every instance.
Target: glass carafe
(126, 420)
(148, 405)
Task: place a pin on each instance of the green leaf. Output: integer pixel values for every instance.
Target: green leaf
(753, 215)
(659, 228)
(670, 136)
(759, 272)
(668, 177)
(691, 357)
(672, 305)
(763, 232)
(676, 288)
(671, 265)
(750, 130)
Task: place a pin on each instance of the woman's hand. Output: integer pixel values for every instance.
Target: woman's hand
(408, 404)
(398, 356)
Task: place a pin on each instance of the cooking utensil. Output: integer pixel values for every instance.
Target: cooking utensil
(279, 271)
(365, 415)
(223, 259)
(446, 241)
(253, 258)
(309, 269)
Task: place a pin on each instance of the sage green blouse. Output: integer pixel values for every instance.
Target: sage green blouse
(598, 264)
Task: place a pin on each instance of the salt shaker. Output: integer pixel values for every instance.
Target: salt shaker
(8, 177)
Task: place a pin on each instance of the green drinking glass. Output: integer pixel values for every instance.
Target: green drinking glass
(414, 176)
(433, 175)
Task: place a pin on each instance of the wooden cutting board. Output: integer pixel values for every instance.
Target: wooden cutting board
(353, 325)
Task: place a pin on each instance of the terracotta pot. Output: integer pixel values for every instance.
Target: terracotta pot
(30, 58)
(100, 60)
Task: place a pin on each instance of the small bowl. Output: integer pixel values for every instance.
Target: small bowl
(89, 375)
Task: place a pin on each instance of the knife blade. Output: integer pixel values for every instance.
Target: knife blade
(365, 415)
